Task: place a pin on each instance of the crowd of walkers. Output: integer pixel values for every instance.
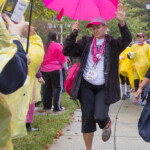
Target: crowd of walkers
(21, 76)
(106, 64)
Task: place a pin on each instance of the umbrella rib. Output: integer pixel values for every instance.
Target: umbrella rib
(76, 9)
(97, 6)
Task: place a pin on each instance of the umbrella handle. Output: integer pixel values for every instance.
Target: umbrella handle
(30, 17)
(75, 31)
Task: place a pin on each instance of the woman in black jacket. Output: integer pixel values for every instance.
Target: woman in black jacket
(97, 82)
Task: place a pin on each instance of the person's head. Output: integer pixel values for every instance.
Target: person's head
(52, 36)
(99, 27)
(140, 37)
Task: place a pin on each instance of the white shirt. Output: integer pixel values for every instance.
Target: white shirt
(100, 79)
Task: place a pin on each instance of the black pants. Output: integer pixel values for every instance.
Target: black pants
(124, 80)
(93, 106)
(52, 89)
(136, 84)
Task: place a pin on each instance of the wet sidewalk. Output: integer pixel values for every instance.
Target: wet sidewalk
(125, 136)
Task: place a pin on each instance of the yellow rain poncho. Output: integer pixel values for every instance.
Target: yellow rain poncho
(140, 62)
(7, 51)
(36, 52)
(19, 101)
(125, 66)
(124, 63)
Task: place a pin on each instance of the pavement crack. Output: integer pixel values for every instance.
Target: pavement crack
(115, 128)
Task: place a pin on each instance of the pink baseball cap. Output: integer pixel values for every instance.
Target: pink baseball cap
(140, 35)
(96, 21)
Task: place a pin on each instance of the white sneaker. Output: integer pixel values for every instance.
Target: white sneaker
(34, 129)
(106, 132)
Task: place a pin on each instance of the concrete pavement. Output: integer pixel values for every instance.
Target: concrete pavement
(125, 136)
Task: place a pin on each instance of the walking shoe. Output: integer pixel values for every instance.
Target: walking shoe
(29, 128)
(142, 103)
(61, 109)
(32, 129)
(128, 95)
(132, 90)
(135, 102)
(124, 97)
(106, 132)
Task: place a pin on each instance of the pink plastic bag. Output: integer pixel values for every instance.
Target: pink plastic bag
(71, 76)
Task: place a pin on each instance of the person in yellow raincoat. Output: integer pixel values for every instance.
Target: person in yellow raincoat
(124, 71)
(140, 58)
(36, 52)
(13, 73)
(19, 101)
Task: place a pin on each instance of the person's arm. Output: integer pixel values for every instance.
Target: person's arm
(71, 47)
(126, 36)
(40, 78)
(13, 69)
(145, 81)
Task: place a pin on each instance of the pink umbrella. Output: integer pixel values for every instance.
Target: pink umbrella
(84, 9)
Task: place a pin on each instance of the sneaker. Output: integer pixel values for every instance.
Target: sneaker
(34, 129)
(124, 97)
(132, 90)
(128, 95)
(29, 128)
(61, 109)
(142, 103)
(106, 132)
(135, 102)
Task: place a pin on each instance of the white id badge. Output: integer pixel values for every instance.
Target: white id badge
(92, 74)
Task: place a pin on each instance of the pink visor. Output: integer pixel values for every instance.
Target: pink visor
(140, 35)
(96, 21)
(92, 23)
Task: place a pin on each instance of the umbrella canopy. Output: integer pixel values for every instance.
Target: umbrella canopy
(84, 9)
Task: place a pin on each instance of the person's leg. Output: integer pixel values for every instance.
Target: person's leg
(47, 90)
(123, 87)
(88, 139)
(136, 84)
(87, 100)
(128, 87)
(142, 96)
(101, 113)
(57, 85)
(29, 118)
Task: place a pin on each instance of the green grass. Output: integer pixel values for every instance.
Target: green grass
(49, 127)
